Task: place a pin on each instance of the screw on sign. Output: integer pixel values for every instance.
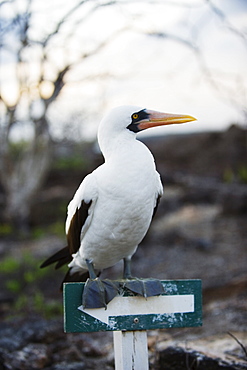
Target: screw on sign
(129, 317)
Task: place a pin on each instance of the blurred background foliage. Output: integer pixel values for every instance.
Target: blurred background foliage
(63, 65)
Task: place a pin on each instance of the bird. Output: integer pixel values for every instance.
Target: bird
(113, 207)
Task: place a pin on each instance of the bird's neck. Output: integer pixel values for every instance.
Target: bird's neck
(125, 151)
(112, 146)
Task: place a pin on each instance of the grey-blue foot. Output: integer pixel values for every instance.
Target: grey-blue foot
(98, 293)
(144, 287)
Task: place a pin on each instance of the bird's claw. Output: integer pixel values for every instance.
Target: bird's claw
(98, 293)
(144, 287)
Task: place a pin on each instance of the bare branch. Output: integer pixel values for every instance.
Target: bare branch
(241, 345)
(62, 21)
(225, 21)
(58, 85)
(6, 2)
(166, 35)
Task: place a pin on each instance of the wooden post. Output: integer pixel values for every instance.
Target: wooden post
(131, 350)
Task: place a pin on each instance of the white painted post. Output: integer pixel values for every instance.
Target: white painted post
(131, 350)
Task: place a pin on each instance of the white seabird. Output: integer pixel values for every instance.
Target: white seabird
(113, 207)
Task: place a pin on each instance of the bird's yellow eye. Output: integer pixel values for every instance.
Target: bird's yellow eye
(135, 116)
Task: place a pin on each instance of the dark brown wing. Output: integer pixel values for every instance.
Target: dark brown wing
(64, 256)
(156, 207)
(76, 224)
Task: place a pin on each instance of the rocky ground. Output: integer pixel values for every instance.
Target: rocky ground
(199, 232)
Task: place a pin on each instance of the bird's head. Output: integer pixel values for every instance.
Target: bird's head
(127, 120)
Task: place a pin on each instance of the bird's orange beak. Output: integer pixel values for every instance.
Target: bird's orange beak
(160, 119)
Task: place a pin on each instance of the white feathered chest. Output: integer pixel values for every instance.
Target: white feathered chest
(124, 191)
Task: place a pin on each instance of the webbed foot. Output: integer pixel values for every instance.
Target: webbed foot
(98, 293)
(144, 287)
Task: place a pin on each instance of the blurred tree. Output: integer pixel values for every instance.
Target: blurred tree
(23, 166)
(42, 44)
(38, 70)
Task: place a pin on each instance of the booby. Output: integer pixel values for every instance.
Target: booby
(113, 207)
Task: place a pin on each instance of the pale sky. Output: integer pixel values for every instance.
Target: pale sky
(155, 73)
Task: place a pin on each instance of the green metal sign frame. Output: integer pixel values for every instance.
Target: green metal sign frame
(76, 321)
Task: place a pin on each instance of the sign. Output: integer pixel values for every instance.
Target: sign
(179, 306)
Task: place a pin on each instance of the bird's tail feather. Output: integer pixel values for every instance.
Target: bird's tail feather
(74, 277)
(61, 258)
